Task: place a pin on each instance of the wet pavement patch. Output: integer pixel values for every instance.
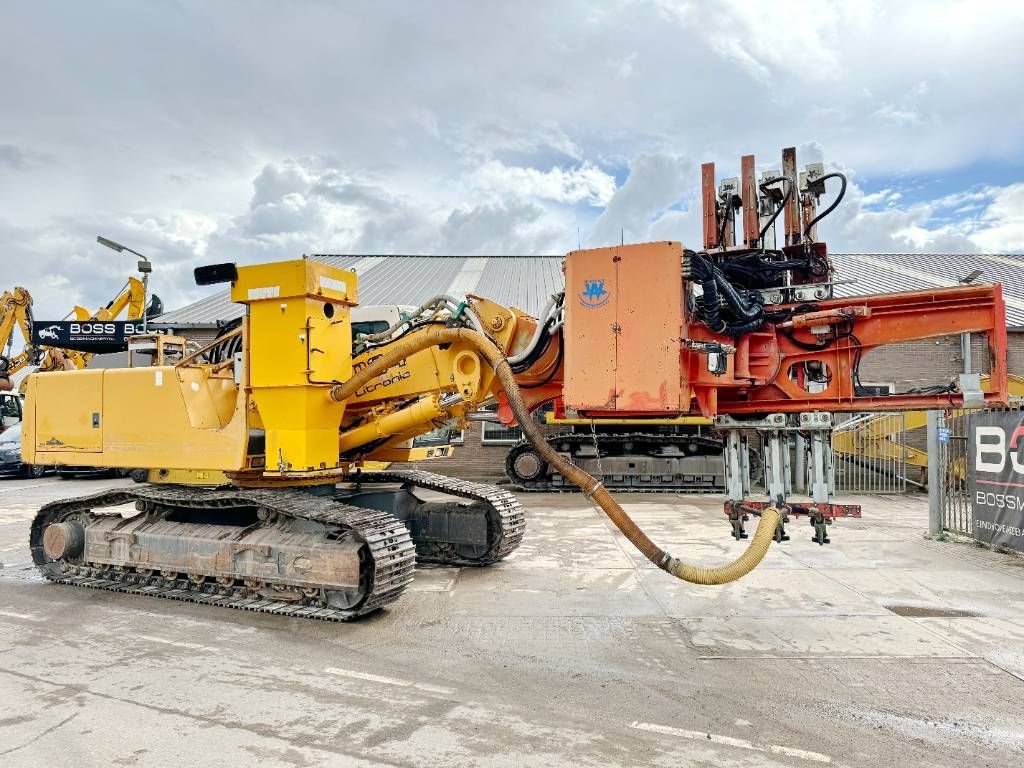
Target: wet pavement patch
(927, 612)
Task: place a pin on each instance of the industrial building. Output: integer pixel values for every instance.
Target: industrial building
(527, 282)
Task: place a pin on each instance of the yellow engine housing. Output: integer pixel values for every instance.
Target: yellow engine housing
(267, 417)
(198, 416)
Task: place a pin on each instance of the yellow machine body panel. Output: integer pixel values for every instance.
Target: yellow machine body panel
(197, 415)
(72, 420)
(161, 420)
(299, 343)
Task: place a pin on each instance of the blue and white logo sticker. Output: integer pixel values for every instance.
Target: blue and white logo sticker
(594, 294)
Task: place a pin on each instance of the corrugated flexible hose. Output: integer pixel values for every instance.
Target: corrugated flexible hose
(436, 335)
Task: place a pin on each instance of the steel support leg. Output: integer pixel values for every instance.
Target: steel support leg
(777, 476)
(779, 432)
(821, 482)
(737, 480)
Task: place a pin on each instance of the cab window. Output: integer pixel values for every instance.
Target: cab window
(10, 408)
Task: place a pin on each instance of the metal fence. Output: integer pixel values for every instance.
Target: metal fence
(950, 504)
(947, 440)
(870, 453)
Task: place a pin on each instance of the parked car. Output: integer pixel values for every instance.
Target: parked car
(10, 457)
(74, 472)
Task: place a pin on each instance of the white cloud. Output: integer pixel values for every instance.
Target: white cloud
(888, 113)
(992, 220)
(585, 183)
(624, 70)
(1001, 226)
(765, 40)
(304, 205)
(656, 182)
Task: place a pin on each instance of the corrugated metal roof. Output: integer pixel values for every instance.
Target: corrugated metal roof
(890, 272)
(526, 282)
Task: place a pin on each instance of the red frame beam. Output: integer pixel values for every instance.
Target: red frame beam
(758, 379)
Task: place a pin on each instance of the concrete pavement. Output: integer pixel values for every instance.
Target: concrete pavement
(882, 648)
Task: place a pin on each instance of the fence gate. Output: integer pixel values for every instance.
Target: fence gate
(870, 451)
(947, 438)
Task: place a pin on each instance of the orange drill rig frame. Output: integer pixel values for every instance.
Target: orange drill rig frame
(750, 336)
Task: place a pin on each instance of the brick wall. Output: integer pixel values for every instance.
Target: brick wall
(201, 336)
(914, 364)
(935, 361)
(472, 460)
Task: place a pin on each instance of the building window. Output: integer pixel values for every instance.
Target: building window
(458, 437)
(498, 434)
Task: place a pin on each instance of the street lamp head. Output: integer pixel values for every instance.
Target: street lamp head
(973, 275)
(145, 266)
(109, 243)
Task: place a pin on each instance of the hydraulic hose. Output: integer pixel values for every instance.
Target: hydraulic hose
(592, 488)
(778, 210)
(372, 338)
(716, 286)
(835, 203)
(737, 303)
(542, 321)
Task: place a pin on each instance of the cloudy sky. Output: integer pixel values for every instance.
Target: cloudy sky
(199, 132)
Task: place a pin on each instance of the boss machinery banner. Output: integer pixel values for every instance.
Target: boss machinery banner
(995, 477)
(85, 335)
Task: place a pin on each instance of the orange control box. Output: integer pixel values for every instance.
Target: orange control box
(623, 325)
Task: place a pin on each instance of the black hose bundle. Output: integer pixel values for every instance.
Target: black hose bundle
(760, 269)
(746, 310)
(227, 349)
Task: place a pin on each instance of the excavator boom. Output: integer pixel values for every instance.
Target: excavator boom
(15, 312)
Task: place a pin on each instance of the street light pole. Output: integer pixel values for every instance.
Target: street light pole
(965, 338)
(145, 267)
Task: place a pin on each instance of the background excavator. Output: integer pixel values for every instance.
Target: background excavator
(16, 312)
(292, 409)
(870, 437)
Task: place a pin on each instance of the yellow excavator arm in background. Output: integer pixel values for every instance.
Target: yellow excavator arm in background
(132, 297)
(874, 436)
(15, 312)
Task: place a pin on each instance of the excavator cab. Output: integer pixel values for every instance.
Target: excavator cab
(10, 410)
(147, 350)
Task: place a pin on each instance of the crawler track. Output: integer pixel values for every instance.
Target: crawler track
(388, 564)
(506, 519)
(617, 446)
